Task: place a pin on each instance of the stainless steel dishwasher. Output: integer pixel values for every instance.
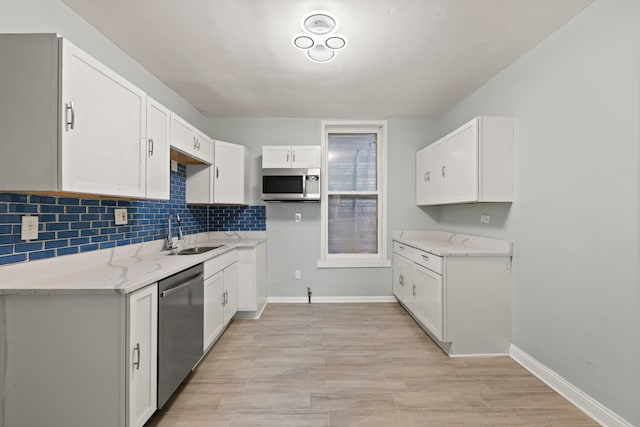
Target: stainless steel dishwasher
(180, 328)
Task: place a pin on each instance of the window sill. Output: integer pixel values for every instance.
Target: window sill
(351, 263)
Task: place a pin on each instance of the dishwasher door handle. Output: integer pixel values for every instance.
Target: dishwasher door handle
(180, 286)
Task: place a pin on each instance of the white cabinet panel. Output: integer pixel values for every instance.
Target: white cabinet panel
(142, 356)
(158, 128)
(69, 124)
(429, 302)
(252, 282)
(231, 174)
(189, 141)
(231, 292)
(213, 308)
(474, 163)
(286, 156)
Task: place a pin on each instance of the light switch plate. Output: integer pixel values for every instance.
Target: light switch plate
(120, 216)
(29, 229)
(174, 166)
(485, 219)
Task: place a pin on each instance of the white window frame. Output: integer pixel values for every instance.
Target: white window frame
(379, 259)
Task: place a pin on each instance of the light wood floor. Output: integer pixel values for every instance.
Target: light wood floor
(354, 365)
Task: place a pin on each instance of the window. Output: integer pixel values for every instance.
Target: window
(353, 201)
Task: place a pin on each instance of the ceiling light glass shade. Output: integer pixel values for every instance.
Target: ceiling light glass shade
(335, 42)
(319, 23)
(303, 42)
(320, 53)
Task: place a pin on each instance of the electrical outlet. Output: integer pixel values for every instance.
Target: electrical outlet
(29, 229)
(485, 219)
(298, 274)
(298, 217)
(120, 216)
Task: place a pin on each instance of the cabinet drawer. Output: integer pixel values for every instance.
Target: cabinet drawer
(219, 263)
(404, 250)
(428, 260)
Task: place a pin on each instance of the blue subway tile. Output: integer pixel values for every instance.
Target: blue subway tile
(97, 239)
(56, 244)
(10, 259)
(89, 217)
(4, 250)
(23, 208)
(51, 209)
(16, 198)
(28, 247)
(47, 218)
(4, 208)
(69, 217)
(48, 200)
(57, 226)
(10, 219)
(67, 251)
(68, 201)
(110, 230)
(99, 224)
(89, 232)
(49, 235)
(80, 225)
(68, 234)
(116, 237)
(123, 242)
(90, 202)
(95, 209)
(79, 241)
(41, 255)
(76, 209)
(87, 248)
(10, 238)
(106, 245)
(108, 203)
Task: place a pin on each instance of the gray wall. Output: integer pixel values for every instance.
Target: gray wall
(575, 218)
(294, 245)
(53, 16)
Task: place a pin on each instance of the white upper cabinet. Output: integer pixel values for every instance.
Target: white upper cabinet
(474, 163)
(226, 182)
(286, 156)
(231, 174)
(189, 141)
(158, 175)
(69, 124)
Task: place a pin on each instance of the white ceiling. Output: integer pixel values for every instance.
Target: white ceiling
(405, 58)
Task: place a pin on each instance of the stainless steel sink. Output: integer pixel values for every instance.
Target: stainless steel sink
(198, 250)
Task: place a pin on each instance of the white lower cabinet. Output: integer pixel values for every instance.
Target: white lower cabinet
(142, 356)
(252, 283)
(220, 295)
(462, 302)
(78, 360)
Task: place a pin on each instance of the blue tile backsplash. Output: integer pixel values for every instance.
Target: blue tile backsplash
(70, 225)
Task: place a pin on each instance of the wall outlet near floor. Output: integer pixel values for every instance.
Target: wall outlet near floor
(485, 219)
(298, 274)
(120, 216)
(298, 217)
(29, 230)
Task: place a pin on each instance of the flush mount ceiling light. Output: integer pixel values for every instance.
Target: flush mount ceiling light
(319, 39)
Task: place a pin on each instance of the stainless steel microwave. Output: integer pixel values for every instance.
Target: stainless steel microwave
(291, 185)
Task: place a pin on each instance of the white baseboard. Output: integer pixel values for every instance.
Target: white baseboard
(573, 394)
(320, 300)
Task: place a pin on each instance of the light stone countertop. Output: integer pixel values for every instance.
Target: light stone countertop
(444, 243)
(119, 270)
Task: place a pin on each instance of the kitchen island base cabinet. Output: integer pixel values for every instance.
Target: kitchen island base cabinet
(69, 358)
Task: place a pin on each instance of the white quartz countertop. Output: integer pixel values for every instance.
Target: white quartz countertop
(444, 243)
(115, 271)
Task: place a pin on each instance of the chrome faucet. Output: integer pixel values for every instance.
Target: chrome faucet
(170, 244)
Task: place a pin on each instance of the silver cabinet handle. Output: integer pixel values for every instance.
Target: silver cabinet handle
(443, 170)
(425, 176)
(217, 172)
(401, 280)
(136, 349)
(226, 297)
(429, 176)
(177, 288)
(424, 257)
(195, 142)
(294, 156)
(287, 155)
(414, 289)
(72, 121)
(150, 147)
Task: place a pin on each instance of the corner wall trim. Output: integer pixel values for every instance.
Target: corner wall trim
(573, 394)
(321, 300)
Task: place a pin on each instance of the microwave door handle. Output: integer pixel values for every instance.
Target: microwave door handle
(304, 186)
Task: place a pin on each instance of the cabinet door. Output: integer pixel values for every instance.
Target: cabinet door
(422, 176)
(461, 164)
(213, 308)
(204, 148)
(429, 304)
(408, 288)
(183, 136)
(231, 292)
(399, 276)
(229, 173)
(158, 125)
(435, 173)
(276, 156)
(103, 115)
(142, 354)
(305, 156)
